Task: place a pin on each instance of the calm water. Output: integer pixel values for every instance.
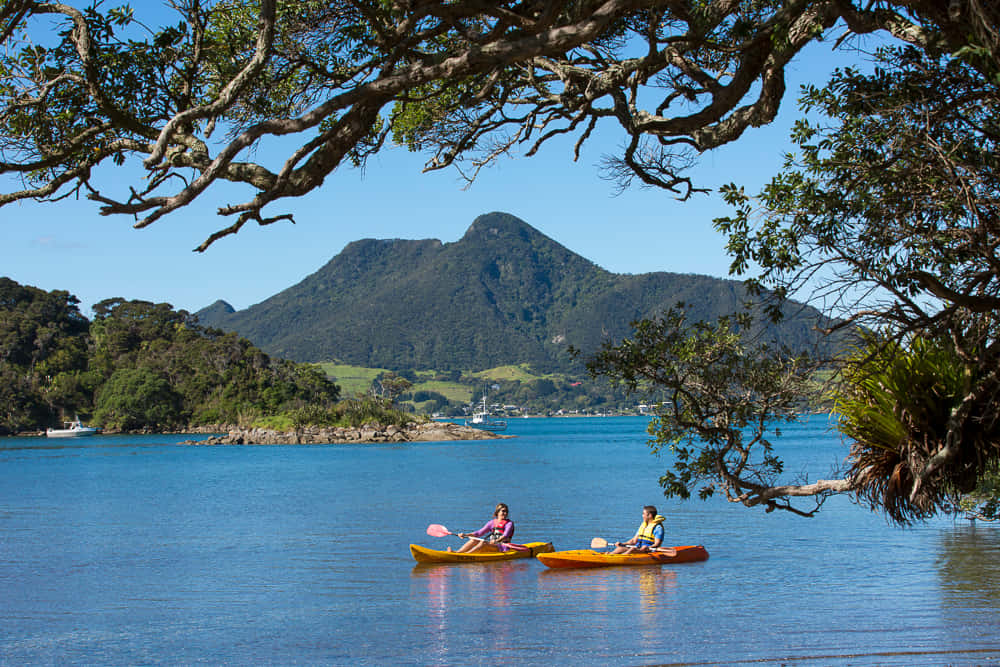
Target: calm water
(135, 550)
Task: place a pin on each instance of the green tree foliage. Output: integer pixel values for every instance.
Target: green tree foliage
(723, 397)
(219, 376)
(138, 365)
(138, 398)
(352, 413)
(890, 211)
(893, 193)
(43, 356)
(388, 386)
(983, 503)
(428, 402)
(542, 387)
(889, 215)
(424, 395)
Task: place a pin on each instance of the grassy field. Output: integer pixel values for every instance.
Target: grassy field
(352, 379)
(453, 391)
(358, 379)
(520, 372)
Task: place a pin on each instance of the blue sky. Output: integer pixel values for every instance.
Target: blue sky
(69, 246)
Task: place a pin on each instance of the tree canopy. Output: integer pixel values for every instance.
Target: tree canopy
(725, 395)
(463, 81)
(891, 212)
(887, 214)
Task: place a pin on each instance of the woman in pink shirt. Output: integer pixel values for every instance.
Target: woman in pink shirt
(493, 536)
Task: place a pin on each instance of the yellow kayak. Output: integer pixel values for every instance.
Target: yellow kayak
(590, 558)
(425, 555)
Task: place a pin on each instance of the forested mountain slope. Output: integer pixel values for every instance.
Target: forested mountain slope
(504, 293)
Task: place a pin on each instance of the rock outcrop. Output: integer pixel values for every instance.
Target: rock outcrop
(369, 433)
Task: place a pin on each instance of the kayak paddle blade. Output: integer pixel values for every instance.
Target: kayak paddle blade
(437, 530)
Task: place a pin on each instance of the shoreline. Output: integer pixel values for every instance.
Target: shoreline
(230, 429)
(338, 435)
(228, 434)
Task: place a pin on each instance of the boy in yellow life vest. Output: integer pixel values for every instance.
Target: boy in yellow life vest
(648, 537)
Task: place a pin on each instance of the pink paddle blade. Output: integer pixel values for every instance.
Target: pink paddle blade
(437, 530)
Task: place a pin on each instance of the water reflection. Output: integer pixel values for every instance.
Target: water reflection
(436, 578)
(648, 590)
(656, 589)
(455, 591)
(969, 567)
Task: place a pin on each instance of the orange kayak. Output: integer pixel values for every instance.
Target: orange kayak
(425, 555)
(591, 558)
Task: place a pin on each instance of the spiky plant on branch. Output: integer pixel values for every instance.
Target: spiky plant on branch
(897, 406)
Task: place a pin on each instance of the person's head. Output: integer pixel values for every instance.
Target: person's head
(501, 507)
(649, 512)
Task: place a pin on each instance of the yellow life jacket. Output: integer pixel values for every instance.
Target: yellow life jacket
(646, 536)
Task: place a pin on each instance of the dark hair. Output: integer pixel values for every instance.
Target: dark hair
(651, 509)
(501, 506)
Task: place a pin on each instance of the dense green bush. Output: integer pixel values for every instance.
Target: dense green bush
(138, 398)
(137, 365)
(350, 413)
(43, 357)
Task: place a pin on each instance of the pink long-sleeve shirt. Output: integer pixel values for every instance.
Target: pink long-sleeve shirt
(507, 532)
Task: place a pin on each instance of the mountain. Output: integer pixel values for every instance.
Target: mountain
(216, 312)
(505, 293)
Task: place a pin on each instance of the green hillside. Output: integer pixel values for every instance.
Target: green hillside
(503, 295)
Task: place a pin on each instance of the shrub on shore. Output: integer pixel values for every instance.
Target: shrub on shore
(352, 412)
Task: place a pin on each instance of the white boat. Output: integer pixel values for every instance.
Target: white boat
(482, 420)
(74, 429)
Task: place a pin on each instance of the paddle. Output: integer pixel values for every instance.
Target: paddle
(437, 530)
(601, 543)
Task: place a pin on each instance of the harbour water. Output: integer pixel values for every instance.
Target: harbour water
(138, 550)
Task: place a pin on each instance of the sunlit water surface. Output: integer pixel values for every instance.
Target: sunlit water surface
(137, 550)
